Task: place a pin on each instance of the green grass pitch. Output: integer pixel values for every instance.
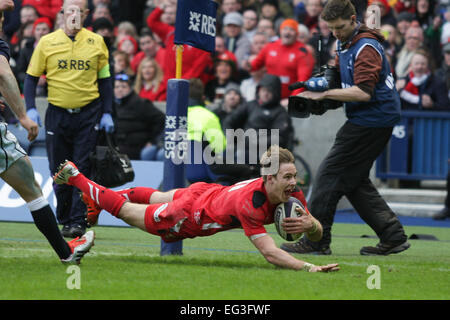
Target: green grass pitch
(125, 264)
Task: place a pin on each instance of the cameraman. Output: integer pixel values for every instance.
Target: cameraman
(372, 107)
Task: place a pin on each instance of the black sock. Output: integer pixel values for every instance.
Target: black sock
(46, 223)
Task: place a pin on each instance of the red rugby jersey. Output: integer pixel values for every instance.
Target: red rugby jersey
(244, 204)
(290, 63)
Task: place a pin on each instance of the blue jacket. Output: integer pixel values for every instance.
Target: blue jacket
(383, 109)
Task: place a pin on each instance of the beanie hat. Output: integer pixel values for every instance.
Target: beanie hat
(130, 38)
(405, 16)
(229, 58)
(233, 87)
(273, 3)
(45, 20)
(234, 18)
(291, 23)
(102, 23)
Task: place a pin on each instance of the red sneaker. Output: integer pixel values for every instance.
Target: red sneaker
(93, 210)
(79, 247)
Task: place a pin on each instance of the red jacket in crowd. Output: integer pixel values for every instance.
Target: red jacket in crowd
(45, 8)
(160, 56)
(195, 61)
(158, 95)
(291, 63)
(400, 6)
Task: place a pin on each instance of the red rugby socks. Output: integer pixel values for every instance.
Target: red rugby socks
(107, 199)
(138, 194)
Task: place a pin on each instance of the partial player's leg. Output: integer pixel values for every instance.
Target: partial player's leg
(137, 215)
(147, 195)
(163, 197)
(20, 177)
(142, 195)
(152, 218)
(138, 195)
(133, 214)
(103, 198)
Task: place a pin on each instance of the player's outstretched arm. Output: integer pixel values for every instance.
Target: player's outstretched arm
(10, 91)
(281, 258)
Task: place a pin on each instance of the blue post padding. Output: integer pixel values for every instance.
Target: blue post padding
(399, 144)
(175, 146)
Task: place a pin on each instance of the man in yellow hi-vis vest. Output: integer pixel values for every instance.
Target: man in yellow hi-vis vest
(203, 130)
(75, 63)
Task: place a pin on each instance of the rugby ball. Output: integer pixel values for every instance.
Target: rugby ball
(286, 210)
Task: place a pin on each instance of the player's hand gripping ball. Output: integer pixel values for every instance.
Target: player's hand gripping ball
(286, 210)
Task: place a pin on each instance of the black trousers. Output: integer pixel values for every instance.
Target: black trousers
(345, 172)
(71, 136)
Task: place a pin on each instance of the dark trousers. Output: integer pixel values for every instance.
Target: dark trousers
(71, 136)
(345, 171)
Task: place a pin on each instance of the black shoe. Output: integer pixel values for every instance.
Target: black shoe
(383, 249)
(65, 231)
(77, 230)
(442, 215)
(303, 247)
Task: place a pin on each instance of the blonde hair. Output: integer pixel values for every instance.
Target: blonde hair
(156, 81)
(275, 155)
(127, 28)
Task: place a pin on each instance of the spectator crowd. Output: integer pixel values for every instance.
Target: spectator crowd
(254, 38)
